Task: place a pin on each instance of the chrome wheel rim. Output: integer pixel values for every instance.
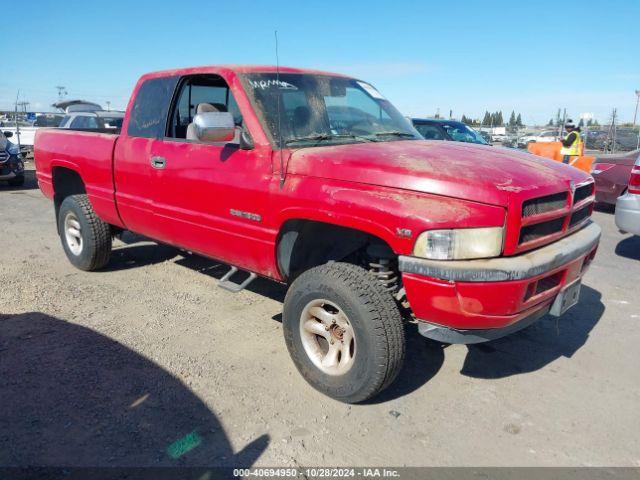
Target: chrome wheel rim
(328, 337)
(72, 233)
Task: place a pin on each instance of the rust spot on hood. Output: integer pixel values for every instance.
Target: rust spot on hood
(402, 204)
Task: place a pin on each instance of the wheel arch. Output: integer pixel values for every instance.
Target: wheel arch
(66, 181)
(304, 243)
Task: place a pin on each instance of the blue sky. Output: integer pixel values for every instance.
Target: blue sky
(465, 55)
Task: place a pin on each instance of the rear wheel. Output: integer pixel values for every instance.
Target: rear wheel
(343, 331)
(85, 238)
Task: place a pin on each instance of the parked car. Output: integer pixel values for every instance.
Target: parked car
(11, 164)
(486, 136)
(628, 205)
(511, 141)
(611, 174)
(350, 207)
(22, 134)
(498, 137)
(97, 120)
(438, 129)
(546, 136)
(48, 119)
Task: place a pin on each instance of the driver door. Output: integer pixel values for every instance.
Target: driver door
(211, 198)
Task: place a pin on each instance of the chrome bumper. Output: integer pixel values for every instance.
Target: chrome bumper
(500, 269)
(628, 213)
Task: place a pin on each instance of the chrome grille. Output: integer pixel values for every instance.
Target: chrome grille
(536, 206)
(4, 156)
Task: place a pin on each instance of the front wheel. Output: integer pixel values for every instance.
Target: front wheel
(17, 181)
(343, 331)
(86, 239)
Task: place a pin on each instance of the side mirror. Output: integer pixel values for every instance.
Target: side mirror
(8, 134)
(214, 126)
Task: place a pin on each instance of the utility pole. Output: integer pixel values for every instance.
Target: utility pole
(62, 92)
(610, 140)
(16, 119)
(108, 106)
(23, 106)
(586, 117)
(564, 121)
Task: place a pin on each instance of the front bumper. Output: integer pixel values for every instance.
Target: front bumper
(499, 292)
(7, 176)
(628, 213)
(11, 168)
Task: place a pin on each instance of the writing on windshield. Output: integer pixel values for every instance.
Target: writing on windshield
(307, 110)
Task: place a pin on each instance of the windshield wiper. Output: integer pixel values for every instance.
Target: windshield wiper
(326, 136)
(395, 133)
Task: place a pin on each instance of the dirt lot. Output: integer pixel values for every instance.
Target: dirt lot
(148, 362)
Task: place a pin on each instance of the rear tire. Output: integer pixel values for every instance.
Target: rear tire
(332, 303)
(85, 238)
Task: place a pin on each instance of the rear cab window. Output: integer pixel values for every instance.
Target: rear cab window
(148, 117)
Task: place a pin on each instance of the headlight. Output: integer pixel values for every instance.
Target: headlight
(460, 244)
(13, 149)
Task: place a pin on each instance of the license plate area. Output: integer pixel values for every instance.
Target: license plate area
(566, 299)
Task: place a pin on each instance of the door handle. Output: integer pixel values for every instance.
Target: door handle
(158, 162)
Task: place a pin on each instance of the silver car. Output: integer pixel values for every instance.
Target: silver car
(628, 205)
(98, 120)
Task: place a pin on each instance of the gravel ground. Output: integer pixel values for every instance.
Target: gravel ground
(149, 363)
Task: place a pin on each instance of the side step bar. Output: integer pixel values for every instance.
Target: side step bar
(226, 283)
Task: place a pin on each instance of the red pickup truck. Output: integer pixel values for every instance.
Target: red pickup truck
(316, 180)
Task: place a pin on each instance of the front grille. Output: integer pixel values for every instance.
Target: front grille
(4, 156)
(579, 215)
(558, 203)
(536, 206)
(583, 192)
(539, 230)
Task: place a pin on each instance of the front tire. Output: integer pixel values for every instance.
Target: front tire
(17, 181)
(85, 238)
(344, 331)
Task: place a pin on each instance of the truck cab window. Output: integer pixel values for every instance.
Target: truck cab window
(197, 94)
(84, 122)
(148, 116)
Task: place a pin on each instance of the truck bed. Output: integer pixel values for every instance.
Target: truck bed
(88, 153)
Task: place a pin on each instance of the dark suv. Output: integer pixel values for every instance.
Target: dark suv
(439, 129)
(11, 165)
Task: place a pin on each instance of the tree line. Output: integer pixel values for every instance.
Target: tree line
(494, 119)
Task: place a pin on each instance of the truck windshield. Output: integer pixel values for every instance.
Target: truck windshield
(304, 110)
(459, 132)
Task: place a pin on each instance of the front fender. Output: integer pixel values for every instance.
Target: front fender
(394, 215)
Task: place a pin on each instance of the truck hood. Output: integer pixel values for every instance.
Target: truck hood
(473, 172)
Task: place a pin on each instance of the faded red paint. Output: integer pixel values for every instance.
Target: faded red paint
(379, 188)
